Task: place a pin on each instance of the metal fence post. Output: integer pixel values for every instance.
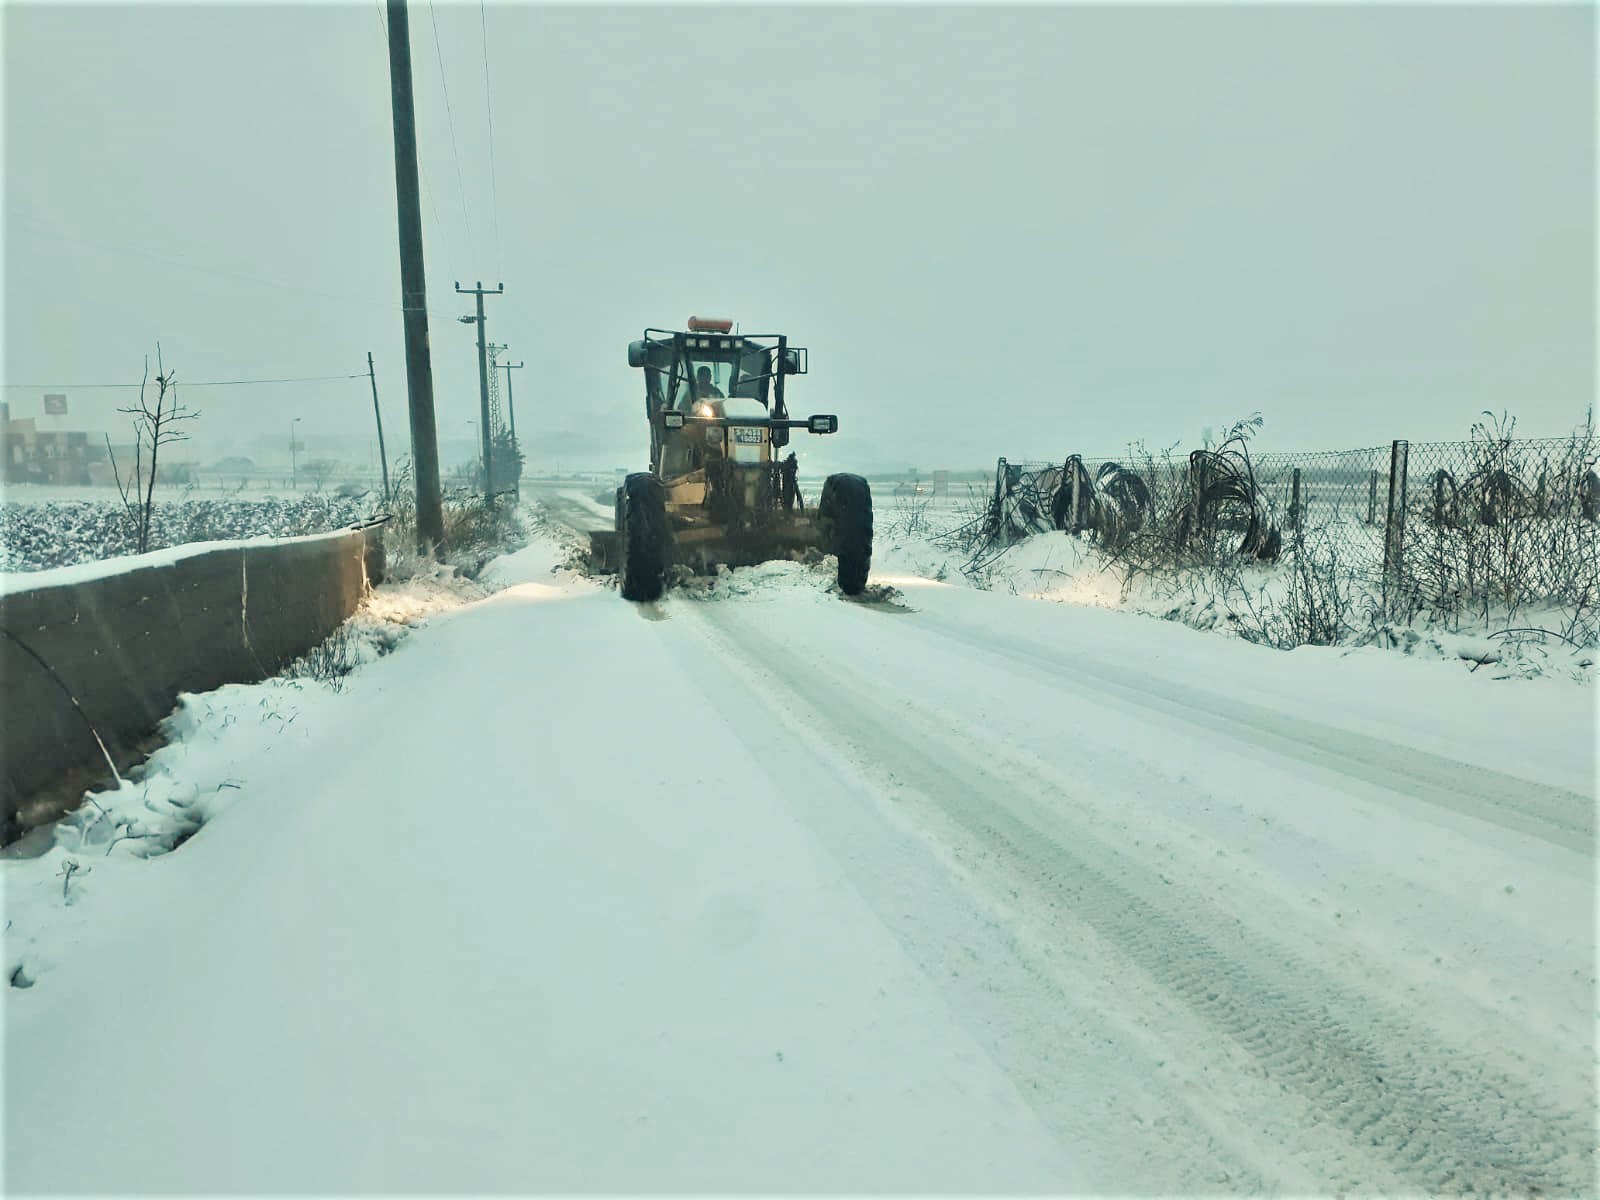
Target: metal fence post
(1197, 487)
(1294, 501)
(1073, 469)
(1372, 498)
(996, 501)
(1394, 530)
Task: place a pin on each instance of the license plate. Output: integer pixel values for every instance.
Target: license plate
(748, 435)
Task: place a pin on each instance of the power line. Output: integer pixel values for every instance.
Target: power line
(427, 189)
(450, 117)
(186, 265)
(494, 187)
(79, 387)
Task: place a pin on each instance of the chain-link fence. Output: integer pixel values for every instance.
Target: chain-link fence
(1495, 523)
(1501, 523)
(1341, 495)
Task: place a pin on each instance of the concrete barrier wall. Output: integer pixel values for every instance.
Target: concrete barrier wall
(125, 643)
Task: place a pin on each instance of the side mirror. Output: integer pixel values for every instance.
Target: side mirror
(636, 354)
(823, 424)
(795, 361)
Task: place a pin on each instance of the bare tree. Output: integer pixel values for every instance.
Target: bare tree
(319, 469)
(153, 428)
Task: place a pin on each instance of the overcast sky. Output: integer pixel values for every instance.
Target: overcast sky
(1025, 231)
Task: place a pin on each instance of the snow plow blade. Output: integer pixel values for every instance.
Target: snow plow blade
(701, 547)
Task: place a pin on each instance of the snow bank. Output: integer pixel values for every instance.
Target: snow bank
(1057, 566)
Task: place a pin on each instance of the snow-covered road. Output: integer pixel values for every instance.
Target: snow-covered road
(758, 889)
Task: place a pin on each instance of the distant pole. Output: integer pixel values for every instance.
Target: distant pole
(294, 461)
(511, 412)
(483, 406)
(383, 457)
(414, 288)
(511, 408)
(483, 380)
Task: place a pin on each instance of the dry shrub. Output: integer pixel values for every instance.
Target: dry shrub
(474, 533)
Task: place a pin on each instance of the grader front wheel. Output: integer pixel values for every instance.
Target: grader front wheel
(642, 517)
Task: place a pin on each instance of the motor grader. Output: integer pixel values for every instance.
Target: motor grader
(717, 492)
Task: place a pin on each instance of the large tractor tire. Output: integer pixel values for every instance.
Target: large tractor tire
(845, 516)
(642, 522)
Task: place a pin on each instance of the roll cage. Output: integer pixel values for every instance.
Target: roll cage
(747, 365)
(741, 364)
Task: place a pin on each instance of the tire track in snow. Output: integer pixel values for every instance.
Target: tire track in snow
(1032, 1028)
(1085, 1065)
(1552, 814)
(1436, 1124)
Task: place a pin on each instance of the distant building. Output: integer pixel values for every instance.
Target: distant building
(42, 450)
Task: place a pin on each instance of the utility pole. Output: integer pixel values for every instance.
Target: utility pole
(511, 413)
(483, 380)
(511, 409)
(383, 458)
(413, 287)
(294, 461)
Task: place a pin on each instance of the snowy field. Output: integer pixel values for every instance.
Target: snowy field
(45, 527)
(761, 890)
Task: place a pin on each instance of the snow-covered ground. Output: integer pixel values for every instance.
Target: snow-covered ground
(757, 889)
(43, 534)
(1253, 601)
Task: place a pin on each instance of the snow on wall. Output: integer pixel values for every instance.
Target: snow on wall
(112, 649)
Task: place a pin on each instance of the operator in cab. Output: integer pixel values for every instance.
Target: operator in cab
(708, 402)
(704, 388)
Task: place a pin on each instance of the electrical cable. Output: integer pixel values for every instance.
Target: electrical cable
(80, 387)
(220, 272)
(494, 187)
(450, 117)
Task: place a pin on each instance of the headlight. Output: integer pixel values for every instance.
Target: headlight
(704, 410)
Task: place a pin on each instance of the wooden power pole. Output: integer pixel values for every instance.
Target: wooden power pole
(483, 382)
(414, 288)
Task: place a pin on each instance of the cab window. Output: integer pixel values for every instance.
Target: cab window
(753, 375)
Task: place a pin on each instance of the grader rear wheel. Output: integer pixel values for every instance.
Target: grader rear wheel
(845, 515)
